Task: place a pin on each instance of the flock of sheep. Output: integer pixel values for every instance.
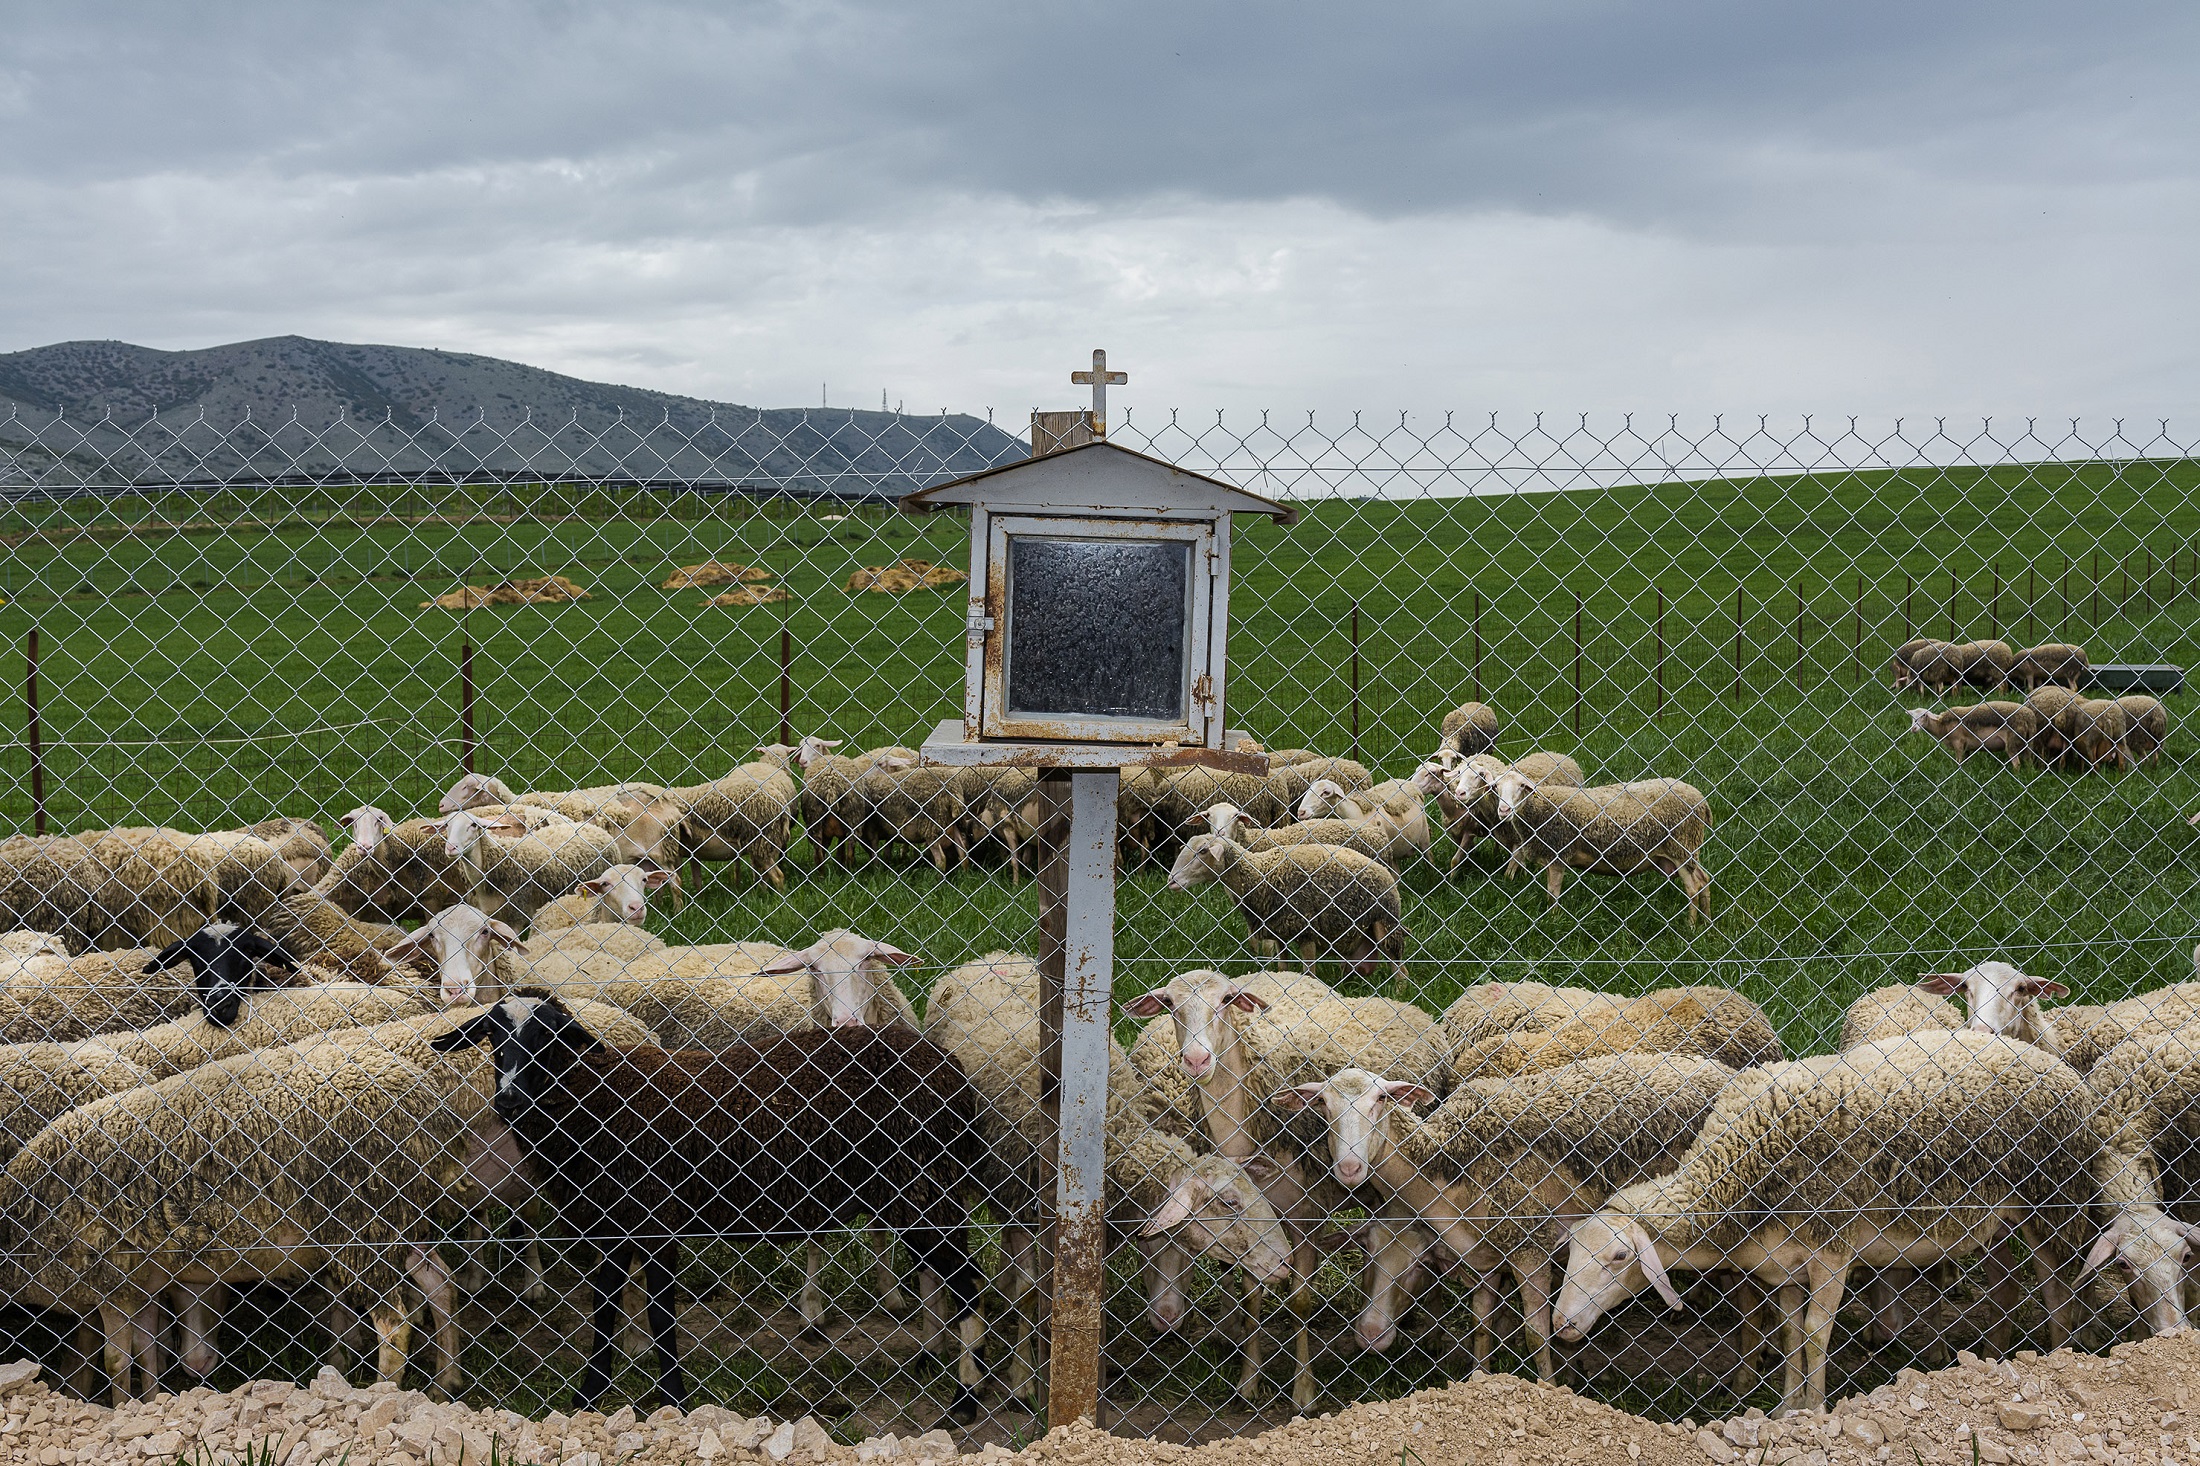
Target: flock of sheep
(224, 1059)
(2052, 727)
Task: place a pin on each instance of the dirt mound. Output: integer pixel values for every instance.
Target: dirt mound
(751, 595)
(713, 572)
(902, 577)
(2063, 1409)
(510, 593)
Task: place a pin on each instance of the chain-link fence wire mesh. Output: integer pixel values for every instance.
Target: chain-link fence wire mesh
(258, 661)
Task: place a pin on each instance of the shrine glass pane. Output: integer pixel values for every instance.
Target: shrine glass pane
(1098, 628)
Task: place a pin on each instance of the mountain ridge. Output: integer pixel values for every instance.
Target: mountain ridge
(111, 412)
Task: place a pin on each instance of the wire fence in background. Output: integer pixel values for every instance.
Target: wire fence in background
(312, 633)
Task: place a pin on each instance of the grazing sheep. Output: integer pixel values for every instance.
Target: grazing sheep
(2009, 729)
(1985, 665)
(1922, 661)
(986, 1015)
(1475, 787)
(2146, 729)
(1902, 1152)
(2093, 732)
(1469, 729)
(620, 894)
(1395, 809)
(1495, 1173)
(2149, 1093)
(2002, 1000)
(746, 816)
(2052, 662)
(1235, 825)
(1003, 804)
(919, 805)
(1714, 1022)
(1616, 829)
(828, 794)
(1238, 1041)
(2049, 703)
(784, 1136)
(1306, 897)
(510, 877)
(1891, 1012)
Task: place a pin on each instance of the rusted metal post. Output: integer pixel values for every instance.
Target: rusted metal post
(1798, 639)
(1909, 588)
(786, 685)
(1737, 643)
(1577, 664)
(1355, 681)
(1478, 646)
(1858, 634)
(1661, 650)
(1993, 617)
(1951, 605)
(466, 703)
(30, 716)
(2096, 622)
(1076, 881)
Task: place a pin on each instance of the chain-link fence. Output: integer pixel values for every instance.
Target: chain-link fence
(517, 708)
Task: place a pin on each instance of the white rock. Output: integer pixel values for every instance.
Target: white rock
(630, 1441)
(708, 1447)
(15, 1376)
(1715, 1448)
(583, 1458)
(937, 1444)
(779, 1445)
(330, 1385)
(878, 1448)
(810, 1440)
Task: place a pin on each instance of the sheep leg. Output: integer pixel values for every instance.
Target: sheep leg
(1017, 1251)
(944, 1250)
(1533, 1272)
(473, 1239)
(813, 1297)
(1790, 1296)
(2001, 1289)
(2059, 1298)
(342, 1322)
(84, 1377)
(664, 1323)
(147, 1326)
(1827, 1278)
(1250, 1387)
(604, 1287)
(392, 1340)
(200, 1316)
(1485, 1308)
(1554, 879)
(1303, 1263)
(433, 1278)
(1008, 838)
(119, 1348)
(891, 1295)
(1749, 1308)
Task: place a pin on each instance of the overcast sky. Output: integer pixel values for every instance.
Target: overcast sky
(1688, 205)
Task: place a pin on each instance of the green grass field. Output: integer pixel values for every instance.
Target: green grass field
(185, 670)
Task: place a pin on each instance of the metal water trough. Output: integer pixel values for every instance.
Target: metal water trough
(2159, 678)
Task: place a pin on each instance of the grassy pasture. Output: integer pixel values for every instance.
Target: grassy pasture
(185, 671)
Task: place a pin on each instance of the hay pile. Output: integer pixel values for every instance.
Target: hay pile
(510, 593)
(751, 595)
(713, 572)
(903, 576)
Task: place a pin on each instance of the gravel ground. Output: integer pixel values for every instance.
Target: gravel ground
(2062, 1409)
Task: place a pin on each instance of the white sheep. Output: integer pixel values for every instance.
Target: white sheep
(1238, 1041)
(1395, 809)
(510, 876)
(619, 894)
(1475, 787)
(463, 942)
(986, 1014)
(1616, 829)
(1902, 1152)
(1307, 897)
(1236, 826)
(2002, 1000)
(1494, 1173)
(748, 815)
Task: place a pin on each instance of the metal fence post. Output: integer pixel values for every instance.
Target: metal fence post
(786, 685)
(1355, 681)
(1076, 881)
(30, 715)
(466, 703)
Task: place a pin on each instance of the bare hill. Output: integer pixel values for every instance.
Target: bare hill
(109, 413)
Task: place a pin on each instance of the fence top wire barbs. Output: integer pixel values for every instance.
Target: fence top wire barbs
(238, 625)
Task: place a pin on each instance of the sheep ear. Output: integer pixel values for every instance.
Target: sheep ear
(893, 956)
(1176, 1207)
(2105, 1248)
(1944, 984)
(1408, 1095)
(2042, 987)
(475, 1030)
(661, 877)
(788, 961)
(1260, 1168)
(1153, 1004)
(167, 956)
(1245, 1002)
(1653, 1266)
(413, 941)
(1296, 1097)
(503, 933)
(597, 884)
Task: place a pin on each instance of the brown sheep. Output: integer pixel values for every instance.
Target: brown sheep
(2009, 729)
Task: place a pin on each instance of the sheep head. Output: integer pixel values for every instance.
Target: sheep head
(1359, 1106)
(850, 975)
(476, 789)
